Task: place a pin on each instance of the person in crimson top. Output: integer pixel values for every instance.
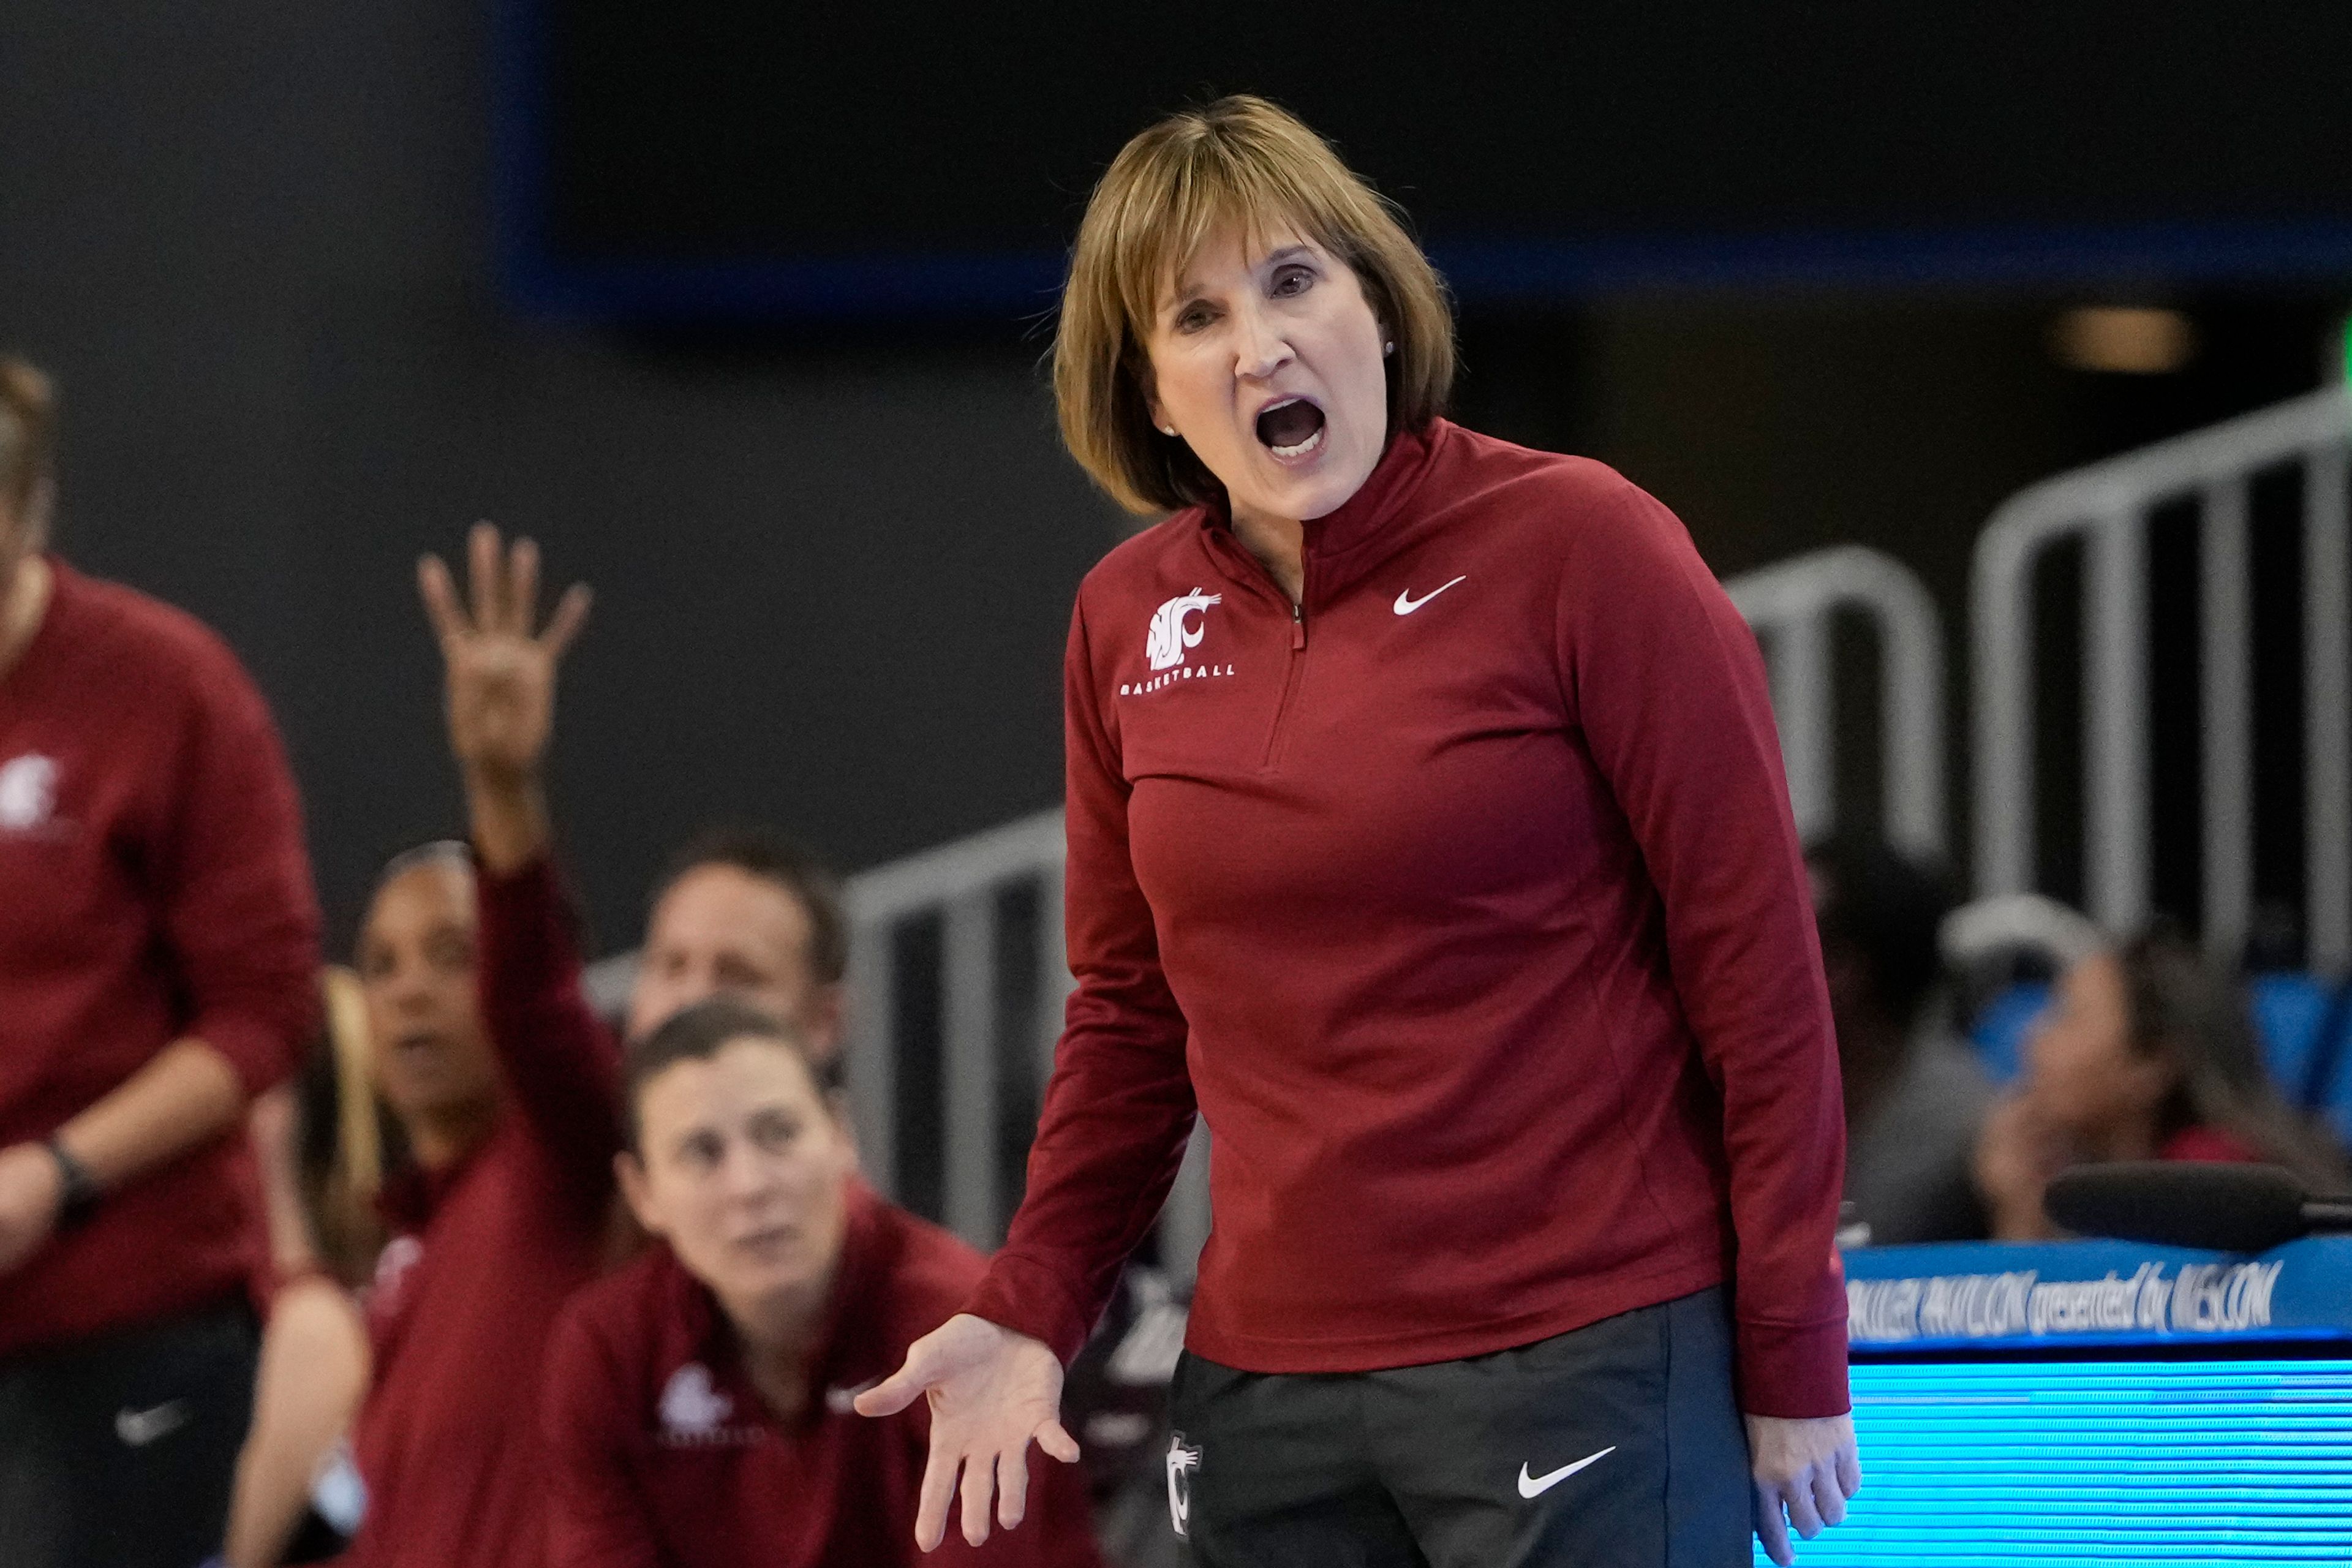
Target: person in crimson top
(497, 1213)
(1427, 835)
(2145, 1053)
(158, 939)
(698, 1402)
(510, 1086)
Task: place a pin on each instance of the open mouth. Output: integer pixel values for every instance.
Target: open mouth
(768, 1242)
(1291, 428)
(419, 1043)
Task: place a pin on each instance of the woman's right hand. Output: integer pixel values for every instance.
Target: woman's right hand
(501, 668)
(991, 1392)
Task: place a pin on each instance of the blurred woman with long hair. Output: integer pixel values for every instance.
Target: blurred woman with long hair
(2146, 1053)
(321, 1145)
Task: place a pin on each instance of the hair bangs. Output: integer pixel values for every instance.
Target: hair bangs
(1216, 187)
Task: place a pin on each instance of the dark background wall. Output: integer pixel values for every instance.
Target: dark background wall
(253, 241)
(744, 158)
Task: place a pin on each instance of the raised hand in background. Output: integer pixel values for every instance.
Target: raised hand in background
(501, 668)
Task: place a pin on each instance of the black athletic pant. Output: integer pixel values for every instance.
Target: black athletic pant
(119, 1451)
(1615, 1446)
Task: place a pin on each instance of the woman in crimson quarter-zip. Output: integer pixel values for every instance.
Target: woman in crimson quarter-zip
(1428, 839)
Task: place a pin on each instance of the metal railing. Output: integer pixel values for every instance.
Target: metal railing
(2108, 506)
(1790, 607)
(961, 883)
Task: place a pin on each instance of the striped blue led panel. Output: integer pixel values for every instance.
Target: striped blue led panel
(2074, 1462)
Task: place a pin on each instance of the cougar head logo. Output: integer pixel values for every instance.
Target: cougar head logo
(690, 1406)
(1170, 636)
(1183, 1458)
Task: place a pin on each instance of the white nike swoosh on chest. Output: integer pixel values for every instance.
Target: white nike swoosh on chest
(1406, 604)
(1536, 1485)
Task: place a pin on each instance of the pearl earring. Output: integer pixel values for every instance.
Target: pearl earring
(1388, 348)
(1168, 429)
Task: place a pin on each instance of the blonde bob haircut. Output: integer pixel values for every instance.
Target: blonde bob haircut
(1239, 160)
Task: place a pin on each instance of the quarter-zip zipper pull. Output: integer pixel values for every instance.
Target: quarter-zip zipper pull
(1298, 625)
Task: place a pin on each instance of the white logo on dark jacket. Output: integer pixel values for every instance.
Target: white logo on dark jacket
(1169, 637)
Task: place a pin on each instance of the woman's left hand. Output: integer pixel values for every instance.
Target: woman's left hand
(1805, 1472)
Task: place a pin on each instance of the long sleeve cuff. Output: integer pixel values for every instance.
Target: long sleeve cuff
(261, 1055)
(1028, 1298)
(1793, 1371)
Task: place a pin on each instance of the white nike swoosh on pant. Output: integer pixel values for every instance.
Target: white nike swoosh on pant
(137, 1428)
(1536, 1485)
(1406, 604)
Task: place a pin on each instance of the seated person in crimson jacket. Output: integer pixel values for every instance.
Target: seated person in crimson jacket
(697, 1404)
(504, 1207)
(499, 1214)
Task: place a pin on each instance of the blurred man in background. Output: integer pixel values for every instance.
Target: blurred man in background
(158, 949)
(743, 911)
(1915, 1092)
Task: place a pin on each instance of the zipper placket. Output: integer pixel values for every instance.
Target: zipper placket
(1290, 677)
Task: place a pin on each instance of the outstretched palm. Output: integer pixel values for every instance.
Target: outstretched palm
(992, 1393)
(501, 666)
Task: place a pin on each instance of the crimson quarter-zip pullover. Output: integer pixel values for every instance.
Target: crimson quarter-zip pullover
(1463, 900)
(663, 1454)
(484, 1256)
(153, 888)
